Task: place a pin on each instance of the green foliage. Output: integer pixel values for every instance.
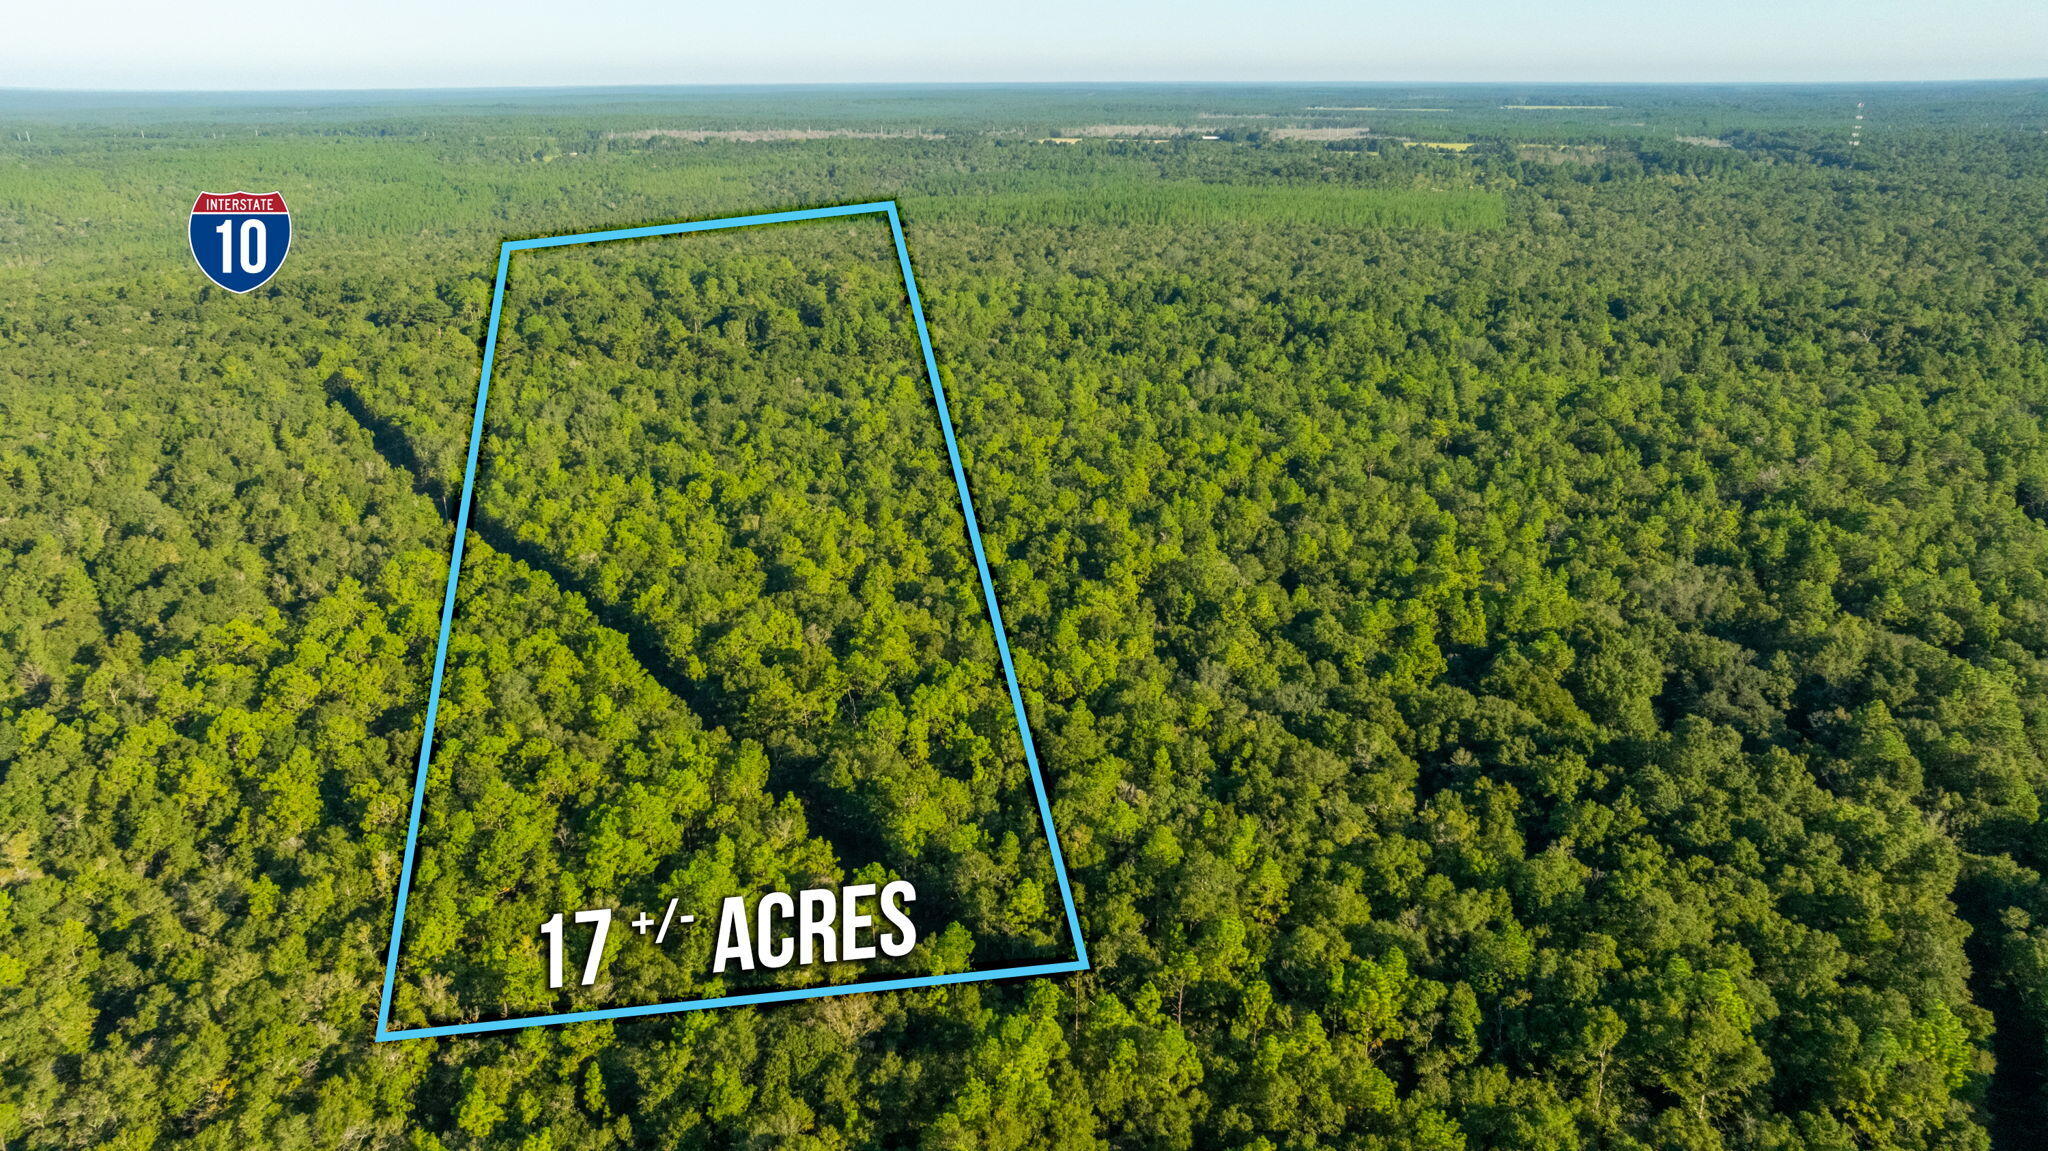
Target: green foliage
(1526, 653)
(1177, 204)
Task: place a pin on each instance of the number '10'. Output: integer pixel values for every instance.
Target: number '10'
(255, 246)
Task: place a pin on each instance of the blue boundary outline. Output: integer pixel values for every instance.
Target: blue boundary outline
(988, 591)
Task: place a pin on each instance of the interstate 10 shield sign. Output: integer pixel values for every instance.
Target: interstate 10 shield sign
(240, 238)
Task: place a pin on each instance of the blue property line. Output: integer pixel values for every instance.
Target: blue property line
(988, 589)
(739, 1000)
(1078, 963)
(888, 206)
(419, 783)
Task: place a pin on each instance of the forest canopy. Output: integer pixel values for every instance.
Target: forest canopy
(1533, 644)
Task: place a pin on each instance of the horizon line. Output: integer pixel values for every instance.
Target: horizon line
(13, 89)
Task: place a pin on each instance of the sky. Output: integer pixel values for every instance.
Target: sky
(274, 44)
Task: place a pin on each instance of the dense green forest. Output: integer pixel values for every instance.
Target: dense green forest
(1541, 643)
(724, 445)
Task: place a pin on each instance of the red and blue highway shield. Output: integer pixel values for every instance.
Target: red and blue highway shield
(240, 238)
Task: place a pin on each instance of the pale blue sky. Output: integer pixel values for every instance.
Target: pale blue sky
(418, 43)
